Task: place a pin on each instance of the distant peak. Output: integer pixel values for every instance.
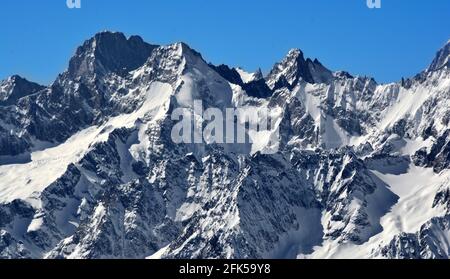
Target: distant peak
(259, 74)
(179, 49)
(14, 78)
(446, 48)
(317, 62)
(442, 59)
(186, 49)
(248, 77)
(107, 33)
(108, 37)
(295, 53)
(294, 68)
(18, 79)
(16, 87)
(136, 39)
(343, 74)
(109, 52)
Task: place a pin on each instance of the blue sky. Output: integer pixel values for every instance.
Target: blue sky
(38, 37)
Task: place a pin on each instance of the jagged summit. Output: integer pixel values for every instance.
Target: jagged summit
(295, 53)
(294, 68)
(249, 77)
(442, 59)
(187, 49)
(182, 49)
(343, 74)
(253, 83)
(16, 87)
(230, 74)
(109, 52)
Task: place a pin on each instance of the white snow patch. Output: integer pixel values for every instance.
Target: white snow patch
(246, 76)
(27, 181)
(416, 190)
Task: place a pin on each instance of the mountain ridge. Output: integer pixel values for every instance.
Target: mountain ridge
(355, 159)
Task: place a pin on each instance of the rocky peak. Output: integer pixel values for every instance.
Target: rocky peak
(16, 87)
(253, 84)
(108, 52)
(249, 77)
(230, 74)
(175, 52)
(442, 59)
(258, 74)
(294, 68)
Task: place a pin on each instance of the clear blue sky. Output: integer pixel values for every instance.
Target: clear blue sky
(38, 37)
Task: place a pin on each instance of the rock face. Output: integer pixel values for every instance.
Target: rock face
(442, 59)
(109, 52)
(295, 68)
(254, 87)
(430, 242)
(15, 88)
(88, 167)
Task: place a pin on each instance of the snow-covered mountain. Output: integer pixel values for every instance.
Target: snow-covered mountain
(88, 168)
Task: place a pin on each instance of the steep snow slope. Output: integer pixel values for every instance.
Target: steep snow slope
(249, 77)
(27, 181)
(416, 190)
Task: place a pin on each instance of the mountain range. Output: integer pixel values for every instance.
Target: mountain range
(88, 168)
